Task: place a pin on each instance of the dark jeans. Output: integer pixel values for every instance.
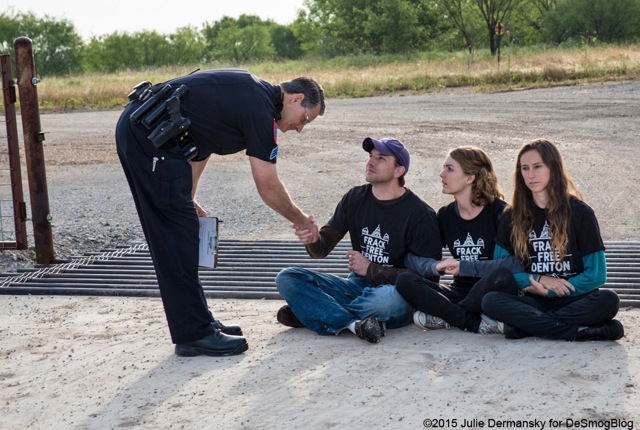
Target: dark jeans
(459, 307)
(552, 317)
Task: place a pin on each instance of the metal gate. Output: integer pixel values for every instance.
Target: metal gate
(13, 212)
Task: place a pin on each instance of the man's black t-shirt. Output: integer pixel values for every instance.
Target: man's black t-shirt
(385, 231)
(231, 110)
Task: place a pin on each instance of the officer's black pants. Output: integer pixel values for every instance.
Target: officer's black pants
(162, 195)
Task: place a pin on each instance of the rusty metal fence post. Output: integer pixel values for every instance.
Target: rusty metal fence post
(19, 207)
(34, 153)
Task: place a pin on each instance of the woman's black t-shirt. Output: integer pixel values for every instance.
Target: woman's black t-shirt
(470, 239)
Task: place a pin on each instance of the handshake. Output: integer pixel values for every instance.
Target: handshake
(308, 232)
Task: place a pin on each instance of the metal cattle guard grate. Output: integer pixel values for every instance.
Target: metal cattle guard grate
(246, 270)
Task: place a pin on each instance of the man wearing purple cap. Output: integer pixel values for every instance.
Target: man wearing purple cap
(385, 222)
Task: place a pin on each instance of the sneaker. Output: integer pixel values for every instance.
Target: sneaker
(369, 329)
(287, 317)
(490, 326)
(429, 322)
(611, 330)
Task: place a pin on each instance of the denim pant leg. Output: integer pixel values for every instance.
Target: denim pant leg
(551, 318)
(320, 300)
(385, 303)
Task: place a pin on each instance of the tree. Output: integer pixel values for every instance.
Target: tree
(154, 49)
(367, 26)
(121, 51)
(9, 30)
(494, 12)
(602, 20)
(341, 26)
(239, 40)
(187, 46)
(528, 20)
(112, 52)
(460, 12)
(559, 25)
(57, 48)
(393, 26)
(309, 28)
(285, 43)
(244, 44)
(611, 20)
(539, 9)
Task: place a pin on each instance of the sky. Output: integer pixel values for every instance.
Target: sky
(96, 18)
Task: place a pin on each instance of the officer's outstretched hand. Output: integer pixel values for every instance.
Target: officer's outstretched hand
(308, 232)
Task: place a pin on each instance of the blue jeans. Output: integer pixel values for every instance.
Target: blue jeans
(327, 303)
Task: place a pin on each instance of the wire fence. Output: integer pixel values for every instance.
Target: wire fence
(7, 217)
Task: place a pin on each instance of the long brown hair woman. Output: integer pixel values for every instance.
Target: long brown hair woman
(467, 227)
(556, 236)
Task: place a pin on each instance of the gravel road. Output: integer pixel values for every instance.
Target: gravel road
(595, 126)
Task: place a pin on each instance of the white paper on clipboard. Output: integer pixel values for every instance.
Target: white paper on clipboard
(208, 242)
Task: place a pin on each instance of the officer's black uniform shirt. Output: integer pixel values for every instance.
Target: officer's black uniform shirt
(231, 110)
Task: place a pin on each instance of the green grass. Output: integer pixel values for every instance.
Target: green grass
(368, 75)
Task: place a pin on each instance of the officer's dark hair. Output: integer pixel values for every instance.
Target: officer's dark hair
(313, 92)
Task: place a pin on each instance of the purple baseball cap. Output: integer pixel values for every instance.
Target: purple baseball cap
(389, 146)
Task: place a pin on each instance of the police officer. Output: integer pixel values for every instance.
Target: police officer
(164, 139)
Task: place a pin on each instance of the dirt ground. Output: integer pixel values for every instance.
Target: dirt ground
(106, 363)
